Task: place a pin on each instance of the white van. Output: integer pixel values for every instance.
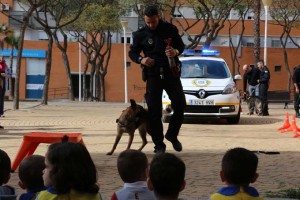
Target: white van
(209, 88)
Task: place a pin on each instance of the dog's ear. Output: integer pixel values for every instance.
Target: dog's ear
(133, 103)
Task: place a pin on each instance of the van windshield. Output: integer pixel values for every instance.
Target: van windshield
(204, 69)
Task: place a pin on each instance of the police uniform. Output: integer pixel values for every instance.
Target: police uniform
(263, 81)
(296, 80)
(159, 77)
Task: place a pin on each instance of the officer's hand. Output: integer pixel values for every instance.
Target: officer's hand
(170, 52)
(245, 96)
(149, 62)
(297, 90)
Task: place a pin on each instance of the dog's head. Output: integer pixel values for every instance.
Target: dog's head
(133, 115)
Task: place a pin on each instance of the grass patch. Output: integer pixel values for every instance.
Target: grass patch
(293, 193)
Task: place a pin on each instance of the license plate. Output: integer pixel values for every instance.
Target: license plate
(196, 102)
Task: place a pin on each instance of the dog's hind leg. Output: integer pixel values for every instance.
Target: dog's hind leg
(118, 137)
(130, 139)
(143, 134)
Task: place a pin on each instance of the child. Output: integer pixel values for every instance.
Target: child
(238, 171)
(31, 176)
(166, 176)
(133, 170)
(5, 167)
(70, 173)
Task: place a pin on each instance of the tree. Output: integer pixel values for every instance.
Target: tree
(57, 10)
(98, 21)
(241, 9)
(286, 14)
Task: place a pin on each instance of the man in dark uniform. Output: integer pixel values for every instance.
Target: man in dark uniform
(251, 76)
(296, 81)
(263, 81)
(152, 40)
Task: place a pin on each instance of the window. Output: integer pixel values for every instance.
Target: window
(275, 43)
(127, 40)
(277, 68)
(250, 44)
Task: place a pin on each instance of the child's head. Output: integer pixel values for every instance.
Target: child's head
(132, 166)
(239, 167)
(70, 166)
(5, 167)
(31, 172)
(166, 175)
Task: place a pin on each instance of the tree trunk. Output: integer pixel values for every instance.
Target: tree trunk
(68, 73)
(19, 57)
(102, 87)
(48, 69)
(257, 7)
(11, 88)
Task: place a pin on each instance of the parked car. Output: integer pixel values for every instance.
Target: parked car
(209, 88)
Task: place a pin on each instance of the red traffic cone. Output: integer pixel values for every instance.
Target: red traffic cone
(293, 127)
(286, 123)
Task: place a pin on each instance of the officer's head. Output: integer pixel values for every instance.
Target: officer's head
(151, 16)
(260, 64)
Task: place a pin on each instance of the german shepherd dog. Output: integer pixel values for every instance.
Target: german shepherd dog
(134, 117)
(256, 102)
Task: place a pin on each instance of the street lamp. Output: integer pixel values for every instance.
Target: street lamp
(79, 67)
(124, 24)
(266, 3)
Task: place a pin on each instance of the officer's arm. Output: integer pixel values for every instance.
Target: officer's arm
(266, 77)
(135, 49)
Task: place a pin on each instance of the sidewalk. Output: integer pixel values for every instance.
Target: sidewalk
(204, 143)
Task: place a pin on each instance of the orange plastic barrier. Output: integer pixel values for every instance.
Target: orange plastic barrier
(32, 140)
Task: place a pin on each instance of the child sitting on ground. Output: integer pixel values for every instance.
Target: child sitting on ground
(166, 176)
(133, 170)
(70, 173)
(5, 168)
(31, 176)
(238, 171)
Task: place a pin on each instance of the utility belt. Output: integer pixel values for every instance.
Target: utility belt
(159, 71)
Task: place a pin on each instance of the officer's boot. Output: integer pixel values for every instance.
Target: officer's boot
(297, 113)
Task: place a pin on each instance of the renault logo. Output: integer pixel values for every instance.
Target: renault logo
(202, 94)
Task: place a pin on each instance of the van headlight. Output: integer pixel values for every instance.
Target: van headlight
(229, 89)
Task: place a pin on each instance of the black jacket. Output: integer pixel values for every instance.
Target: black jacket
(296, 75)
(153, 43)
(251, 78)
(264, 76)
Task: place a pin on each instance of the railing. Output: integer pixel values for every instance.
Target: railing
(61, 92)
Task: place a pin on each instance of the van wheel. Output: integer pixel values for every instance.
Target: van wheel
(166, 118)
(236, 119)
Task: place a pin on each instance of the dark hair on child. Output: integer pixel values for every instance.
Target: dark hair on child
(239, 166)
(5, 167)
(167, 173)
(151, 10)
(73, 167)
(132, 165)
(31, 171)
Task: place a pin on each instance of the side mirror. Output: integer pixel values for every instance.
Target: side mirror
(237, 77)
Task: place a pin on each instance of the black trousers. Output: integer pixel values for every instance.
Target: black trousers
(296, 101)
(154, 88)
(263, 94)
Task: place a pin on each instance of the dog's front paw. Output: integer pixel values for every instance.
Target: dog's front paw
(109, 153)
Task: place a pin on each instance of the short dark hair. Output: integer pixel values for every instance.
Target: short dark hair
(261, 61)
(5, 167)
(132, 165)
(239, 166)
(167, 173)
(31, 171)
(73, 168)
(151, 10)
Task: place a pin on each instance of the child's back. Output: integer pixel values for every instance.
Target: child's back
(31, 176)
(6, 192)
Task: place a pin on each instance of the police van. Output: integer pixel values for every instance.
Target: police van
(209, 88)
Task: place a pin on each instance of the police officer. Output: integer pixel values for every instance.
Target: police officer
(263, 81)
(152, 40)
(251, 76)
(296, 81)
